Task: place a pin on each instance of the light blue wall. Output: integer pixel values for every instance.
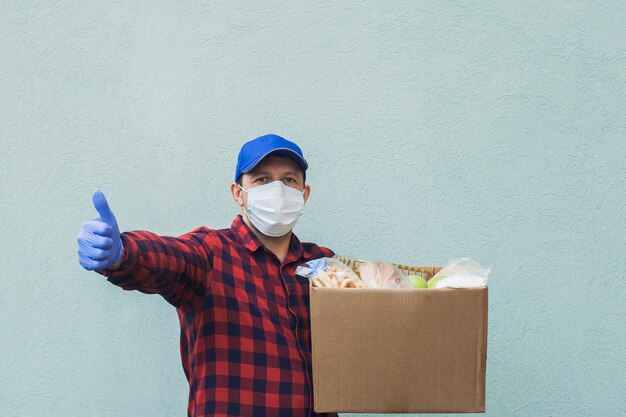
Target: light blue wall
(433, 130)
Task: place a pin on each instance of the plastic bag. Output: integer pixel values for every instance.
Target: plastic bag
(377, 274)
(461, 273)
(330, 273)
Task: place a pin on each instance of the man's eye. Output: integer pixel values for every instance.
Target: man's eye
(261, 179)
(290, 180)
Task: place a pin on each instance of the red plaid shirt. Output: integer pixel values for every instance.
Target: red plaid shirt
(245, 336)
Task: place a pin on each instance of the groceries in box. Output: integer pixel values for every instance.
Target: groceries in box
(332, 273)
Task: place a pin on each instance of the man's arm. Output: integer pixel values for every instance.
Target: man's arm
(177, 268)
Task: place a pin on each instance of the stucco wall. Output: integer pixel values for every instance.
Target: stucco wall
(433, 130)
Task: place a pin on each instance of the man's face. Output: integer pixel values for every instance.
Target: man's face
(271, 168)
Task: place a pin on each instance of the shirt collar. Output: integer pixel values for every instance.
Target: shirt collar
(253, 243)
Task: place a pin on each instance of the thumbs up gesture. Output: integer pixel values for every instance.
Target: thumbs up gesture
(99, 242)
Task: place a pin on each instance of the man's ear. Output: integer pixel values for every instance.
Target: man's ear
(236, 193)
(307, 192)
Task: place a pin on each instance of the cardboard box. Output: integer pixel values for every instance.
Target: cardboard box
(399, 350)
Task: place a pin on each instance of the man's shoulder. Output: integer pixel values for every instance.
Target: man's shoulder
(208, 230)
(314, 251)
(210, 235)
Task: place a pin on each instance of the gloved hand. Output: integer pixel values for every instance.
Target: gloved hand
(99, 242)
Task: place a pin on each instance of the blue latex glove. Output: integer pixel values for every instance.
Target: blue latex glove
(99, 242)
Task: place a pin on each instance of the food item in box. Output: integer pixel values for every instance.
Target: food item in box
(377, 274)
(417, 281)
(330, 273)
(434, 280)
(460, 273)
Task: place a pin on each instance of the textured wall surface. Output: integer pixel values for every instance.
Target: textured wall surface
(433, 130)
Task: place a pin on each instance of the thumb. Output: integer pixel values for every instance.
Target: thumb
(101, 205)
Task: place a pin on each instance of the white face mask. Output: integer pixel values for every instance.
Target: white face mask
(274, 208)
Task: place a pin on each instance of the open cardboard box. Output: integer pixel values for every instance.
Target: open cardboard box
(399, 350)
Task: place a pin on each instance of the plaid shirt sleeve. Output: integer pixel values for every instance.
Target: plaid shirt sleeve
(177, 268)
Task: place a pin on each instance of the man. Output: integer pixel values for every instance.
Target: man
(244, 314)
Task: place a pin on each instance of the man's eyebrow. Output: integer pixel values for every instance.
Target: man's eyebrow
(258, 172)
(254, 173)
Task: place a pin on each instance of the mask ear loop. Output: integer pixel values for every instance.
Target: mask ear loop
(242, 206)
(243, 189)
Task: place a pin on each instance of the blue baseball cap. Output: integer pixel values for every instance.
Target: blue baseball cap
(254, 151)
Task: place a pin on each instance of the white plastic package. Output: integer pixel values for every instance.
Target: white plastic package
(377, 274)
(461, 273)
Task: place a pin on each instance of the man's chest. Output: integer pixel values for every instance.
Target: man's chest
(257, 291)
